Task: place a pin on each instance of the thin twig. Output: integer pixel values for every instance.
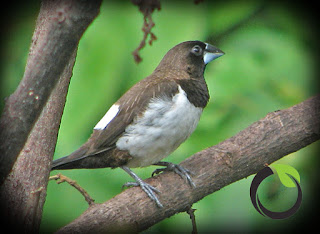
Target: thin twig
(193, 220)
(74, 184)
(146, 7)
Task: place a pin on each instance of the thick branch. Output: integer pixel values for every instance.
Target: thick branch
(265, 141)
(32, 114)
(59, 27)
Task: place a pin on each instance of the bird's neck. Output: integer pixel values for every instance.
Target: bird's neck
(185, 73)
(196, 89)
(195, 86)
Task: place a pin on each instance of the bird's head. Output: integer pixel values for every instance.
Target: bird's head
(190, 56)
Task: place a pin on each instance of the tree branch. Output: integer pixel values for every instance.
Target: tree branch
(61, 178)
(146, 7)
(31, 117)
(59, 27)
(265, 141)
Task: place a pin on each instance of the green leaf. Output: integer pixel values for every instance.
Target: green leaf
(283, 171)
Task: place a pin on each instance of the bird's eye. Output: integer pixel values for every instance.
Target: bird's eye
(197, 50)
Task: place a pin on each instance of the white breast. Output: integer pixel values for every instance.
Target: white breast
(165, 124)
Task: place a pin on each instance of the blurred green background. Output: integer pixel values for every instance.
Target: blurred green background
(269, 65)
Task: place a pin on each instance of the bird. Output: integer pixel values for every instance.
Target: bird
(151, 119)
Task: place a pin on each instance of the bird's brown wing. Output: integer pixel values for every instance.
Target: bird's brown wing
(131, 105)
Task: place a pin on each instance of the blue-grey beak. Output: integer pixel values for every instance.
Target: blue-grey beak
(211, 52)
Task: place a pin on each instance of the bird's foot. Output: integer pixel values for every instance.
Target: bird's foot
(180, 170)
(147, 188)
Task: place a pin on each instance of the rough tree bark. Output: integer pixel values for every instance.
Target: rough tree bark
(31, 116)
(265, 141)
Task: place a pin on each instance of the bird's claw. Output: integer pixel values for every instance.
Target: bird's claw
(180, 170)
(148, 189)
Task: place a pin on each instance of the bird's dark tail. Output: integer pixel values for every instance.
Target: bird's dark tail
(71, 161)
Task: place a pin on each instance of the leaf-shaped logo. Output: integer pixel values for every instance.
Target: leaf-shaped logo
(284, 172)
(289, 177)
